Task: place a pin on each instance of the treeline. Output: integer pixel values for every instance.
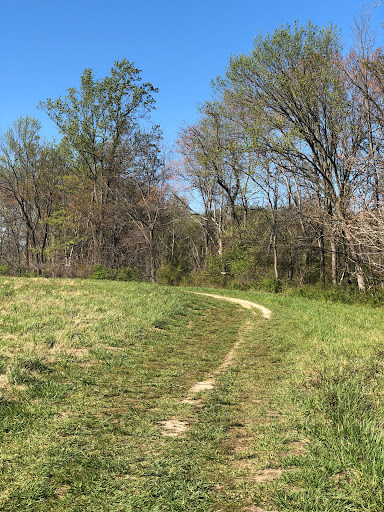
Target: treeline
(100, 197)
(286, 161)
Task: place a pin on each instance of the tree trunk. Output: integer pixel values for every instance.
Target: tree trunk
(275, 256)
(291, 266)
(334, 262)
(152, 262)
(322, 257)
(356, 258)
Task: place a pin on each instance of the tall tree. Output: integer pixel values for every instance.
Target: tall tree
(95, 120)
(31, 171)
(293, 80)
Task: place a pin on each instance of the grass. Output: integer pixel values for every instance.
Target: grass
(326, 363)
(90, 369)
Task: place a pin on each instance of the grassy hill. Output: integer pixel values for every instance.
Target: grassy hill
(90, 370)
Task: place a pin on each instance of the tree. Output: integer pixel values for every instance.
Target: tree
(96, 120)
(30, 173)
(141, 196)
(293, 81)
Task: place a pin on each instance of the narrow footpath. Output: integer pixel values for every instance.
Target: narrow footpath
(174, 427)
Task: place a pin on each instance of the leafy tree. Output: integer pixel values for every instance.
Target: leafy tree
(292, 80)
(31, 171)
(96, 119)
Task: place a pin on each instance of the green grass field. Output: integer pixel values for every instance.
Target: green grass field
(89, 370)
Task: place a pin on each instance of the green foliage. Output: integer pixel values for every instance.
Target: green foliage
(101, 272)
(305, 54)
(122, 274)
(5, 269)
(128, 274)
(241, 263)
(343, 294)
(170, 274)
(270, 284)
(214, 273)
(238, 267)
(101, 111)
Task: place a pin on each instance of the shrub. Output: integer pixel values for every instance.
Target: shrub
(27, 272)
(342, 294)
(129, 274)
(101, 272)
(5, 270)
(270, 284)
(169, 274)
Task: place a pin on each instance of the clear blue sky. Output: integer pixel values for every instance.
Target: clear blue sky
(180, 46)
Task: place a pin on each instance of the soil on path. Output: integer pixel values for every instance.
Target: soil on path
(266, 313)
(174, 427)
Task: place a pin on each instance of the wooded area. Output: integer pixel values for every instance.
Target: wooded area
(286, 160)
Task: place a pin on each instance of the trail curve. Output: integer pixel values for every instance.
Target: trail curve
(266, 313)
(174, 427)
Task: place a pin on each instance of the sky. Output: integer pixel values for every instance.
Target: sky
(179, 46)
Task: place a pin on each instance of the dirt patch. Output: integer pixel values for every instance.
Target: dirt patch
(242, 440)
(62, 491)
(253, 508)
(193, 401)
(340, 479)
(173, 427)
(266, 313)
(267, 475)
(78, 352)
(112, 348)
(208, 384)
(26, 348)
(8, 336)
(204, 385)
(273, 414)
(242, 447)
(51, 354)
(19, 285)
(298, 447)
(228, 360)
(66, 414)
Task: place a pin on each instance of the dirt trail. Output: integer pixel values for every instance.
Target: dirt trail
(266, 313)
(174, 427)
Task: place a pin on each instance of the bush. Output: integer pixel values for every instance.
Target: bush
(342, 294)
(169, 274)
(5, 270)
(129, 274)
(101, 272)
(27, 272)
(270, 284)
